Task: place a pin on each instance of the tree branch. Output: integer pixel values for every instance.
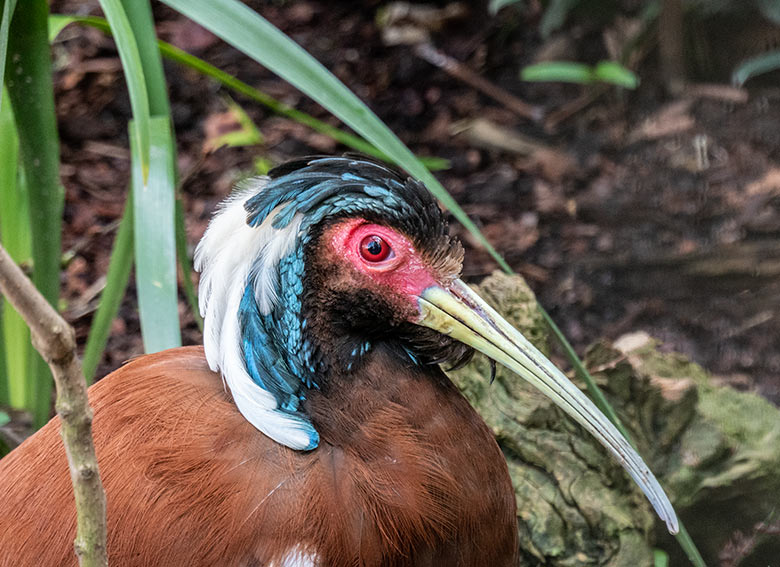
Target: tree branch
(55, 340)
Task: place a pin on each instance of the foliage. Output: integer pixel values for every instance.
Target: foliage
(764, 63)
(554, 15)
(570, 72)
(495, 5)
(28, 80)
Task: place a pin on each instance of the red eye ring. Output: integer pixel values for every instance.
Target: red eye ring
(373, 248)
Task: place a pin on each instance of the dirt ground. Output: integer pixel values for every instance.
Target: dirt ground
(630, 211)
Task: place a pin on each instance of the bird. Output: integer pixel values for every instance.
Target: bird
(316, 425)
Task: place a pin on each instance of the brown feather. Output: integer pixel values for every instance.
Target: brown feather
(406, 474)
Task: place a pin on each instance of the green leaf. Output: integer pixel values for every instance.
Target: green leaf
(247, 31)
(4, 418)
(563, 71)
(555, 16)
(572, 72)
(134, 76)
(495, 5)
(686, 543)
(16, 237)
(247, 134)
(155, 240)
(755, 66)
(614, 73)
(660, 558)
(139, 15)
(31, 94)
(116, 283)
(5, 26)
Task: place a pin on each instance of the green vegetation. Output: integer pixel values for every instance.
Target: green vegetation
(570, 72)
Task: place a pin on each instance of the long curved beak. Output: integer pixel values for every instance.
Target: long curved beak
(461, 314)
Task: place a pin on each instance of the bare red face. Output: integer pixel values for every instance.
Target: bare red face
(384, 255)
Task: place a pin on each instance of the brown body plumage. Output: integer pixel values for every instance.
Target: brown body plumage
(190, 482)
(330, 295)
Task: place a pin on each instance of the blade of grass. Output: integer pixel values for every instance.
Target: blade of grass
(755, 66)
(614, 73)
(155, 241)
(173, 53)
(610, 72)
(185, 264)
(154, 200)
(116, 283)
(690, 549)
(15, 234)
(566, 71)
(31, 95)
(139, 14)
(134, 76)
(248, 32)
(5, 26)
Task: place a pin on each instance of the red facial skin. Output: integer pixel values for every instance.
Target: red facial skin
(403, 271)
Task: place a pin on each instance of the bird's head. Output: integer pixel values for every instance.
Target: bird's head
(305, 272)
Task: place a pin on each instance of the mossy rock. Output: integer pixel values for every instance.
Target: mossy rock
(575, 505)
(715, 450)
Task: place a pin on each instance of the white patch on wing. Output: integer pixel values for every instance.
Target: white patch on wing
(224, 257)
(296, 557)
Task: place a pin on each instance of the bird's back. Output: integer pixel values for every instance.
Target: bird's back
(407, 474)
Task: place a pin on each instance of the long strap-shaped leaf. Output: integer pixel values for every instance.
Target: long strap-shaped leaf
(247, 31)
(116, 283)
(15, 235)
(134, 76)
(5, 26)
(155, 242)
(153, 191)
(31, 95)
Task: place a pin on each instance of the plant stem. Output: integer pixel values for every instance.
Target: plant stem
(56, 341)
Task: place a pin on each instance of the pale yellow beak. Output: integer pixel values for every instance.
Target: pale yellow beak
(461, 314)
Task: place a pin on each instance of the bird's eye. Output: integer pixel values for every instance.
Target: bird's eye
(374, 249)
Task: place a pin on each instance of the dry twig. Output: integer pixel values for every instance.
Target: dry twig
(55, 340)
(458, 70)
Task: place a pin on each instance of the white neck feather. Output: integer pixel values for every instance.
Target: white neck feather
(229, 250)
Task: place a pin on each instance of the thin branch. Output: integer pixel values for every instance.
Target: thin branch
(461, 72)
(55, 340)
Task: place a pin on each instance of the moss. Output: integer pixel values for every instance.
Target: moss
(716, 451)
(575, 506)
